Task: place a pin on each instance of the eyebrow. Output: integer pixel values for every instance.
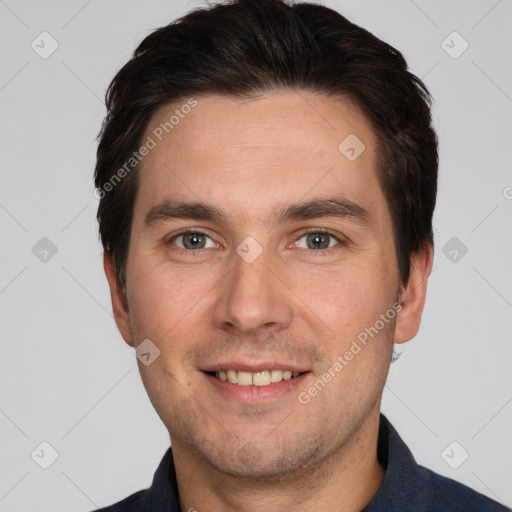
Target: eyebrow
(339, 207)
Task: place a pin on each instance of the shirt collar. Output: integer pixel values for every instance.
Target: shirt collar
(163, 493)
(406, 484)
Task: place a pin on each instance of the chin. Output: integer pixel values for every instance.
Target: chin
(263, 461)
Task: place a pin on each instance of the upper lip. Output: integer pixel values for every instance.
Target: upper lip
(253, 367)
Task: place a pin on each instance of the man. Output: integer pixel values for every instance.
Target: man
(267, 176)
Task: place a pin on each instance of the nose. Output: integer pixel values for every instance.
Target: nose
(253, 296)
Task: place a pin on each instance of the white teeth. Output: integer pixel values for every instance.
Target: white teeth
(244, 379)
(276, 375)
(263, 378)
(232, 376)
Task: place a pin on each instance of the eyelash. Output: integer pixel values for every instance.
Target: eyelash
(304, 233)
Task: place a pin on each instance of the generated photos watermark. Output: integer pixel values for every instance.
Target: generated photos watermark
(305, 397)
(150, 143)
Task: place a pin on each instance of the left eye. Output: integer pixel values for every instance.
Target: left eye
(317, 240)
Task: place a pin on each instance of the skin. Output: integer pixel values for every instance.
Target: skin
(292, 304)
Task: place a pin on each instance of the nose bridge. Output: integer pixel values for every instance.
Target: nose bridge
(252, 296)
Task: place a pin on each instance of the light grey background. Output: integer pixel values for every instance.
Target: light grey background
(66, 375)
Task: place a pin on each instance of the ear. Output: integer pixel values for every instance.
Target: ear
(121, 315)
(412, 296)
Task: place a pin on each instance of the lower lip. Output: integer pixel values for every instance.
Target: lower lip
(256, 394)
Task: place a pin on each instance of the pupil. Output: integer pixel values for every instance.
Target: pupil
(193, 240)
(317, 241)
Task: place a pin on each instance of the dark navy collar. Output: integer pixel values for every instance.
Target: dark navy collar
(410, 487)
(405, 484)
(163, 493)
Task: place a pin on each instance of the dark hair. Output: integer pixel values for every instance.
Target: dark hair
(244, 48)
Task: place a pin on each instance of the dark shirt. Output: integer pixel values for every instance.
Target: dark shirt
(407, 486)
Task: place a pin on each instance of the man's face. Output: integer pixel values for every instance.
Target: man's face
(255, 291)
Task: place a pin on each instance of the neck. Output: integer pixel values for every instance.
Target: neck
(345, 481)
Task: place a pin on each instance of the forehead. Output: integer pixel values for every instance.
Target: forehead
(244, 154)
(302, 121)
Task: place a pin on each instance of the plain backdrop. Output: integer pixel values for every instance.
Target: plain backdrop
(66, 376)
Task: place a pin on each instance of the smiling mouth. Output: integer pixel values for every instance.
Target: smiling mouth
(262, 378)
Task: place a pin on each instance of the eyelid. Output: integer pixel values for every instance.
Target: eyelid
(323, 231)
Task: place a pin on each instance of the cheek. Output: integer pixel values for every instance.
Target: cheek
(348, 298)
(171, 306)
(157, 300)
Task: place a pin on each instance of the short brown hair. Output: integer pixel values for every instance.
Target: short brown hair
(243, 48)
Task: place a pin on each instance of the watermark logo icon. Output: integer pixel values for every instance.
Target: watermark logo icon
(44, 45)
(44, 250)
(454, 45)
(352, 147)
(454, 249)
(44, 455)
(147, 352)
(249, 249)
(454, 455)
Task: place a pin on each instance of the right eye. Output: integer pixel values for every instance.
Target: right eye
(192, 240)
